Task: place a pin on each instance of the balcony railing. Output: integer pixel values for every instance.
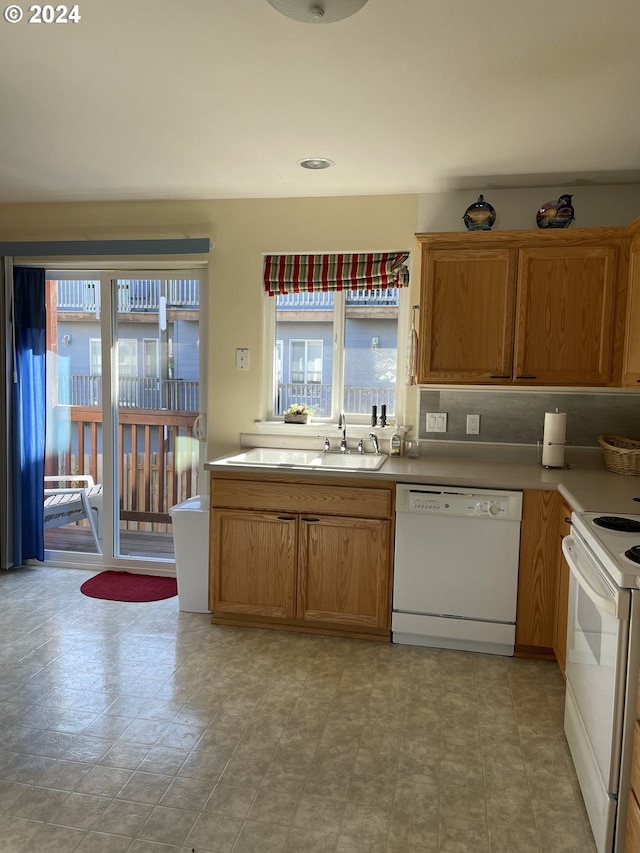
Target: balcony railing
(181, 395)
(325, 300)
(132, 295)
(138, 392)
(317, 397)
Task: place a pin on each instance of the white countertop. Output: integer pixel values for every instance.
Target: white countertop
(587, 489)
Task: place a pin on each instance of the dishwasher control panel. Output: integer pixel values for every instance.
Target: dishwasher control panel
(491, 508)
(417, 502)
(440, 500)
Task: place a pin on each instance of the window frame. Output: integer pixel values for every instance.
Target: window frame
(95, 356)
(128, 347)
(337, 373)
(305, 361)
(154, 345)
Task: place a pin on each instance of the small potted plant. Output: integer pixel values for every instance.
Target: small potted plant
(297, 414)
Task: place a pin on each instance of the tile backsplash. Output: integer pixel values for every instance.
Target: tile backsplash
(517, 417)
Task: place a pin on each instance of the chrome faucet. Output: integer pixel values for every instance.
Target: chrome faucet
(373, 438)
(327, 446)
(342, 424)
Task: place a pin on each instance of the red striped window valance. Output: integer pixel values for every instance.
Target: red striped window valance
(315, 273)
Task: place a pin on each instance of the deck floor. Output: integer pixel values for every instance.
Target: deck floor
(133, 543)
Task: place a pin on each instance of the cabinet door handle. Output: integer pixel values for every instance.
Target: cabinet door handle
(567, 520)
(525, 377)
(310, 519)
(286, 518)
(505, 376)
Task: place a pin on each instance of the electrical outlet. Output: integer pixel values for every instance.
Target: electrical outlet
(473, 424)
(436, 422)
(242, 358)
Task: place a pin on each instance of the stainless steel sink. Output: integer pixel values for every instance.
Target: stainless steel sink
(276, 457)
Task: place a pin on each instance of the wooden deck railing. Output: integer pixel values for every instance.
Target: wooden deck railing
(157, 460)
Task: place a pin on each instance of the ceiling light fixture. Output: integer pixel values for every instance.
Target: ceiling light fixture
(316, 163)
(317, 11)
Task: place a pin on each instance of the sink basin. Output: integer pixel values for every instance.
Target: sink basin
(311, 459)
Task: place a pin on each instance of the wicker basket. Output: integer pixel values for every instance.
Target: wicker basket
(621, 455)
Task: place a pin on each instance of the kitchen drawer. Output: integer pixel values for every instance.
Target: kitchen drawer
(632, 836)
(352, 500)
(635, 761)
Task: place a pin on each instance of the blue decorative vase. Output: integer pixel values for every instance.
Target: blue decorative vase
(479, 216)
(556, 214)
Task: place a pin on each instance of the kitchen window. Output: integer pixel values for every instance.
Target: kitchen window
(333, 346)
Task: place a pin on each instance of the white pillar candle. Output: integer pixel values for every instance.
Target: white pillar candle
(553, 441)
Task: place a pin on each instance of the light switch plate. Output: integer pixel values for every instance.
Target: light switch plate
(436, 422)
(242, 358)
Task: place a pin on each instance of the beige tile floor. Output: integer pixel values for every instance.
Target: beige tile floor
(137, 728)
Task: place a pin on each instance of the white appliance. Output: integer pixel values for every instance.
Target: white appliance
(456, 568)
(603, 653)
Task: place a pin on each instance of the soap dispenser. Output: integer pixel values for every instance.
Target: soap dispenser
(395, 442)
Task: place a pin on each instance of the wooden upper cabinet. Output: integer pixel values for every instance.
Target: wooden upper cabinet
(526, 307)
(467, 306)
(564, 315)
(631, 368)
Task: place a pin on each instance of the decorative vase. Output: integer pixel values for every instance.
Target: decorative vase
(556, 214)
(479, 216)
(296, 419)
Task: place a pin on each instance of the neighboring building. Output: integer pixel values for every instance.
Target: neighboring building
(304, 350)
(157, 343)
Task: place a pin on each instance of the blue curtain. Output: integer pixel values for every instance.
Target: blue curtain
(28, 413)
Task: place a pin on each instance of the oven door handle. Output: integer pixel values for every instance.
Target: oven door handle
(587, 576)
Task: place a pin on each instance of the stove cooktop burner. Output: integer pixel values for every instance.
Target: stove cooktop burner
(633, 554)
(614, 522)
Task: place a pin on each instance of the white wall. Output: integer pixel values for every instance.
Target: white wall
(244, 229)
(615, 204)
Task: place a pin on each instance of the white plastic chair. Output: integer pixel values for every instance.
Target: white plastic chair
(63, 505)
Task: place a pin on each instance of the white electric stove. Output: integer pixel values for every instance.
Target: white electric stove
(603, 658)
(615, 540)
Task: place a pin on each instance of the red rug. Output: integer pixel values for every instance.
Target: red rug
(124, 586)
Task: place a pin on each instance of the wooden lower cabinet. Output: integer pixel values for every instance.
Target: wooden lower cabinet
(254, 563)
(632, 834)
(537, 576)
(344, 571)
(632, 824)
(304, 557)
(562, 592)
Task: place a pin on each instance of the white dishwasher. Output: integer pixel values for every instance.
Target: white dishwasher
(456, 568)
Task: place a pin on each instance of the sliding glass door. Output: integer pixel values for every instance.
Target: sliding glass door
(123, 396)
